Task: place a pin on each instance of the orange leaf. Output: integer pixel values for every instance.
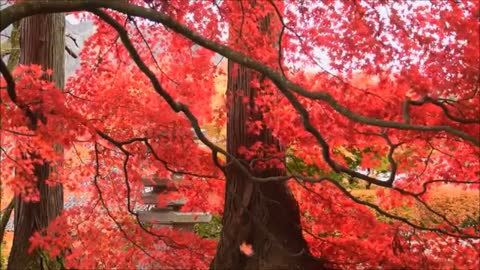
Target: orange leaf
(246, 249)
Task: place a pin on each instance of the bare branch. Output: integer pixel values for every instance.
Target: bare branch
(71, 52)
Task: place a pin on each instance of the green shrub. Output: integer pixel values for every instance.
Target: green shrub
(210, 230)
(3, 259)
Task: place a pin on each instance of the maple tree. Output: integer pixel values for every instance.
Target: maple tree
(328, 90)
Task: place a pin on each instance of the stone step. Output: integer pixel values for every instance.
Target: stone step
(173, 217)
(155, 181)
(152, 198)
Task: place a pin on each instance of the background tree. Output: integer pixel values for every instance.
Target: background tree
(42, 42)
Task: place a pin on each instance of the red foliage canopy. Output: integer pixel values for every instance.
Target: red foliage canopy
(350, 86)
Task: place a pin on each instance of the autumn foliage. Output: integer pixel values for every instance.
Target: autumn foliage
(350, 86)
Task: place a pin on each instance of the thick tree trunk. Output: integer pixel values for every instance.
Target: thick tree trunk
(41, 42)
(264, 215)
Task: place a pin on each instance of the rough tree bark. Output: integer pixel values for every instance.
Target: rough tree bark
(264, 215)
(42, 42)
